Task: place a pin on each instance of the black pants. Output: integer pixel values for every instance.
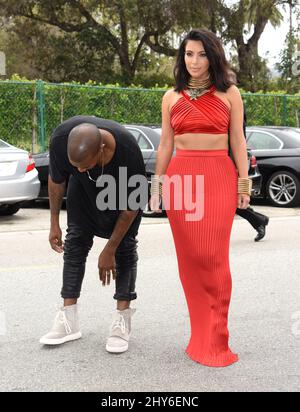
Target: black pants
(77, 246)
(254, 218)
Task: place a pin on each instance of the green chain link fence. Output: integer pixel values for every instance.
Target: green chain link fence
(29, 111)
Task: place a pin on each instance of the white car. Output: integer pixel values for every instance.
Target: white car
(19, 180)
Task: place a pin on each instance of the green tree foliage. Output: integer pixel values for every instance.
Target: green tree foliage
(127, 29)
(289, 64)
(55, 55)
(245, 22)
(18, 57)
(126, 40)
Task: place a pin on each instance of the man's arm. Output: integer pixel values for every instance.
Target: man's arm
(123, 223)
(56, 194)
(107, 257)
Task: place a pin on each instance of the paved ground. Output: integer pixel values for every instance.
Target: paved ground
(37, 217)
(264, 317)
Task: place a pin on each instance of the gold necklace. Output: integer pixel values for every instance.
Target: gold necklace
(196, 87)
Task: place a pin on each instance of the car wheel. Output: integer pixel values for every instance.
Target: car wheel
(283, 189)
(9, 210)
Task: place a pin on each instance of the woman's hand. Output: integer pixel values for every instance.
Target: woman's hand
(243, 201)
(154, 203)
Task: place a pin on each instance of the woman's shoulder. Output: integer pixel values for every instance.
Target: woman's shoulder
(233, 94)
(169, 94)
(233, 90)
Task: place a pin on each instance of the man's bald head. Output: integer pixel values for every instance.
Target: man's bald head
(84, 142)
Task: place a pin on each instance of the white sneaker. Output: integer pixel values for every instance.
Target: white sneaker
(120, 330)
(65, 327)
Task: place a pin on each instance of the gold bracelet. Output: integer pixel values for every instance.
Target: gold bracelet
(156, 185)
(244, 186)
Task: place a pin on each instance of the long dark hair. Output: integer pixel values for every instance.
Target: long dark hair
(219, 67)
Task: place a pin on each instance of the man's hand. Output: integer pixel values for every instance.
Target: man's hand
(243, 201)
(107, 266)
(55, 239)
(107, 261)
(56, 194)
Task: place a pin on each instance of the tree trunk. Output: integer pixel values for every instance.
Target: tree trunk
(247, 55)
(128, 73)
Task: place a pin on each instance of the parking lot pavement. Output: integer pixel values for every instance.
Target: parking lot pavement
(38, 217)
(264, 316)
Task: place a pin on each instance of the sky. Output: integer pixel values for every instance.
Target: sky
(272, 41)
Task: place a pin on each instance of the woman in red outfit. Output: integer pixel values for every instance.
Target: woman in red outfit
(197, 119)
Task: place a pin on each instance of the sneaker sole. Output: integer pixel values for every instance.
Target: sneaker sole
(111, 349)
(68, 338)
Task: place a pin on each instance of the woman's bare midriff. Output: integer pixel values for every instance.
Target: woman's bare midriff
(201, 141)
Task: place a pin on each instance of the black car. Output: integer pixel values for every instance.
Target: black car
(277, 150)
(148, 139)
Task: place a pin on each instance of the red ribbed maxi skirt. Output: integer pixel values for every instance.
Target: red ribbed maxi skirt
(202, 247)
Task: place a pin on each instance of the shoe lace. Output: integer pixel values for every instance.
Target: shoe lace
(61, 317)
(119, 323)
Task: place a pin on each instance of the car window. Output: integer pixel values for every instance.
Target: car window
(141, 140)
(262, 141)
(3, 144)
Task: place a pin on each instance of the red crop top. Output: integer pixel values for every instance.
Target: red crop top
(207, 114)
